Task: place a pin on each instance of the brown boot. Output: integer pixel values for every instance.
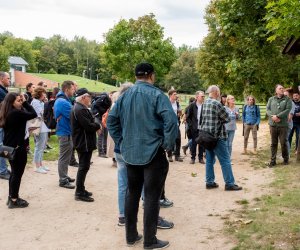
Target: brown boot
(254, 151)
(245, 152)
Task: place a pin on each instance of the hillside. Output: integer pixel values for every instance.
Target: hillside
(91, 85)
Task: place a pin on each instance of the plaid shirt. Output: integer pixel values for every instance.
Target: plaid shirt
(214, 116)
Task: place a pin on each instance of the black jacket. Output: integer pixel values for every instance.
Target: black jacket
(100, 105)
(191, 120)
(83, 128)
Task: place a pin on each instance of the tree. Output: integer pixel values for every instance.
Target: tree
(22, 48)
(183, 75)
(4, 54)
(133, 41)
(236, 54)
(283, 18)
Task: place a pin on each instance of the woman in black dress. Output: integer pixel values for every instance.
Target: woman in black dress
(14, 113)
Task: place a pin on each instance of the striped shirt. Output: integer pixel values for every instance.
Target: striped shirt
(214, 116)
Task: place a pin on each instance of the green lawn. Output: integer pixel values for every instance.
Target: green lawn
(91, 85)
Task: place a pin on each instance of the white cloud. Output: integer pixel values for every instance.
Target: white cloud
(182, 20)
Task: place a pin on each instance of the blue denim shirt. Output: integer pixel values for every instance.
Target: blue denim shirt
(141, 121)
(251, 115)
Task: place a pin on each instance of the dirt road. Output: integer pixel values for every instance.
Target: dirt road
(54, 220)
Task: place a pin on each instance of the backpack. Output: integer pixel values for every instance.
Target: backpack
(49, 114)
(100, 105)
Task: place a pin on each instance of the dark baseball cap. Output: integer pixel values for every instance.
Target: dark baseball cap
(144, 69)
(81, 92)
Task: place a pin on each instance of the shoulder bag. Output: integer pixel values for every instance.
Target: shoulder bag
(8, 152)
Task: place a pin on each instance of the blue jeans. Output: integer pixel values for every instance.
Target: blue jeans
(3, 163)
(296, 129)
(122, 183)
(40, 144)
(230, 140)
(224, 158)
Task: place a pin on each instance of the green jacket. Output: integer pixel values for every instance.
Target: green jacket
(281, 108)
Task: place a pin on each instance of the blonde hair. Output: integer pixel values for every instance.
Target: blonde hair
(227, 98)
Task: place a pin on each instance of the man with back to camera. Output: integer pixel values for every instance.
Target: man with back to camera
(144, 124)
(214, 117)
(4, 84)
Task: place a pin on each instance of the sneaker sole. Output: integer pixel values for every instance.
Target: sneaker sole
(158, 248)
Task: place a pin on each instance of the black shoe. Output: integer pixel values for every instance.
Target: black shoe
(138, 238)
(102, 155)
(48, 146)
(233, 188)
(83, 197)
(178, 158)
(285, 162)
(121, 221)
(18, 203)
(71, 179)
(212, 185)
(160, 244)
(170, 158)
(5, 176)
(271, 164)
(166, 203)
(184, 149)
(74, 164)
(87, 193)
(164, 224)
(192, 161)
(202, 161)
(67, 185)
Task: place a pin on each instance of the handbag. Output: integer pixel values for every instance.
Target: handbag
(207, 140)
(34, 126)
(8, 152)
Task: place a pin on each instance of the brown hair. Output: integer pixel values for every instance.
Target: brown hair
(66, 85)
(171, 92)
(251, 96)
(38, 91)
(7, 107)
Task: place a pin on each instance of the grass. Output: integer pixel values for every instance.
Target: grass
(52, 155)
(91, 85)
(275, 218)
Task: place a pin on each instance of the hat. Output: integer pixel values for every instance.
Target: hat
(144, 69)
(81, 92)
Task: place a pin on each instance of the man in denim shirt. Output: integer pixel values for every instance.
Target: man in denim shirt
(144, 124)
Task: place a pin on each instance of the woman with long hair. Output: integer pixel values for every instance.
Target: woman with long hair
(14, 113)
(233, 113)
(39, 96)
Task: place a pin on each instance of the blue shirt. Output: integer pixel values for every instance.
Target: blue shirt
(141, 121)
(251, 115)
(62, 113)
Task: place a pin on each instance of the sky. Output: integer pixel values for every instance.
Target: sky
(183, 20)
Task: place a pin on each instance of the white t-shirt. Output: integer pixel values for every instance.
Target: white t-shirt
(199, 106)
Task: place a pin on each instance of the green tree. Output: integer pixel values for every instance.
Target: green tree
(132, 41)
(4, 54)
(183, 75)
(22, 48)
(283, 18)
(236, 54)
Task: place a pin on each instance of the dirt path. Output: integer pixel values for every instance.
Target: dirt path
(54, 220)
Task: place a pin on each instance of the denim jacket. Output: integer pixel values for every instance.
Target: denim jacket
(141, 121)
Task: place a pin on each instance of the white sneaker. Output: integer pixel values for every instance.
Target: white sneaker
(45, 168)
(40, 170)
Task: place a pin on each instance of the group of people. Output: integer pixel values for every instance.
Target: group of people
(144, 125)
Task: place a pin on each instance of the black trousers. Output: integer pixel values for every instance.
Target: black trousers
(152, 176)
(17, 170)
(177, 145)
(84, 166)
(194, 148)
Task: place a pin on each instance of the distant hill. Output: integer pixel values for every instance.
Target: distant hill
(91, 85)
